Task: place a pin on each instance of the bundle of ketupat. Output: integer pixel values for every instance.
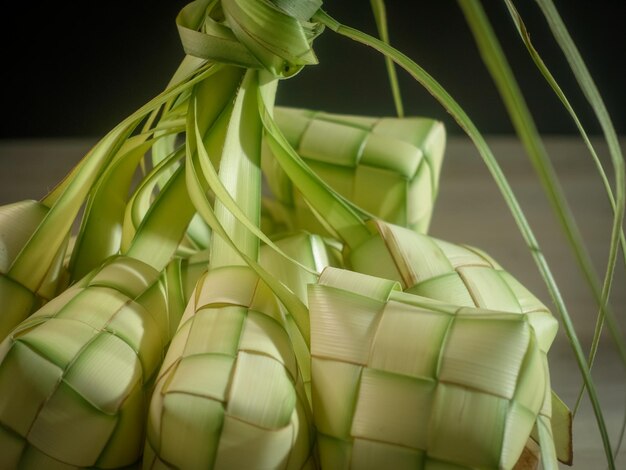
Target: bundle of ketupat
(417, 353)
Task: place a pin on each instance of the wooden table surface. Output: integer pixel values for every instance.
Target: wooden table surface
(469, 210)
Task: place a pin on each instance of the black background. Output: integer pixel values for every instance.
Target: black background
(78, 68)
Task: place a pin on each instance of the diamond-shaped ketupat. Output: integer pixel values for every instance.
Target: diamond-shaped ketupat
(75, 375)
(422, 382)
(19, 298)
(386, 166)
(230, 377)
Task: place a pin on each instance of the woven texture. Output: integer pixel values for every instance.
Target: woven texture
(18, 221)
(74, 375)
(400, 381)
(456, 274)
(387, 166)
(229, 394)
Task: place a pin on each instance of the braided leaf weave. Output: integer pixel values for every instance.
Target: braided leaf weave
(458, 274)
(18, 221)
(389, 167)
(401, 381)
(231, 373)
(230, 377)
(97, 348)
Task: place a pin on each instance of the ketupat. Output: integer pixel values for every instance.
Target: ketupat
(388, 167)
(18, 221)
(230, 382)
(461, 276)
(406, 382)
(75, 375)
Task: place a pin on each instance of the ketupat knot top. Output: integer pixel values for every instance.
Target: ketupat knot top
(274, 35)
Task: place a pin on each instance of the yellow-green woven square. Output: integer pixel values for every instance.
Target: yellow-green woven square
(443, 386)
(387, 166)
